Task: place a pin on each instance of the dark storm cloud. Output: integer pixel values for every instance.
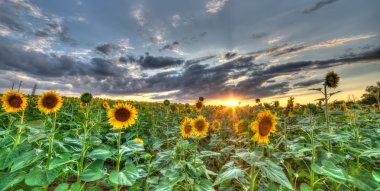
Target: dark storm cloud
(308, 83)
(170, 46)
(10, 23)
(318, 5)
(154, 62)
(198, 60)
(109, 49)
(230, 55)
(55, 28)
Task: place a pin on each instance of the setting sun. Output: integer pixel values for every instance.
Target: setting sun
(232, 102)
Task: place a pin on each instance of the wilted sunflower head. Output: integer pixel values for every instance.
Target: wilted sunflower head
(215, 126)
(122, 116)
(264, 124)
(49, 102)
(86, 97)
(240, 127)
(105, 105)
(200, 126)
(186, 127)
(14, 101)
(139, 140)
(166, 102)
(332, 80)
(199, 105)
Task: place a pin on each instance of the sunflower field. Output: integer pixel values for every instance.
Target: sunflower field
(52, 142)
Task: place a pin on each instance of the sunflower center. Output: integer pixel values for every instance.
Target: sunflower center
(122, 114)
(265, 126)
(188, 128)
(50, 101)
(199, 125)
(15, 101)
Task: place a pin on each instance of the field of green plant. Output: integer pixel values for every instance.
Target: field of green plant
(63, 143)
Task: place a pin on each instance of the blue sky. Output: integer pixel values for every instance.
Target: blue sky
(180, 50)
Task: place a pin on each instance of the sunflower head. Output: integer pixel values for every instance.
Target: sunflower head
(166, 102)
(14, 101)
(200, 126)
(201, 99)
(199, 105)
(49, 102)
(276, 104)
(174, 108)
(86, 97)
(187, 127)
(215, 126)
(122, 116)
(263, 126)
(332, 79)
(240, 127)
(105, 105)
(139, 140)
(83, 105)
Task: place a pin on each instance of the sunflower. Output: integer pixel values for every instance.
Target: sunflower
(240, 127)
(49, 102)
(106, 105)
(187, 127)
(200, 126)
(122, 116)
(86, 97)
(215, 126)
(139, 141)
(199, 105)
(332, 79)
(14, 101)
(83, 105)
(264, 125)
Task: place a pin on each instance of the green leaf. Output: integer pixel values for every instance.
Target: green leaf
(93, 172)
(62, 187)
(274, 172)
(249, 157)
(330, 170)
(102, 153)
(60, 160)
(304, 187)
(9, 179)
(127, 177)
(27, 159)
(209, 154)
(228, 175)
(41, 177)
(204, 185)
(376, 175)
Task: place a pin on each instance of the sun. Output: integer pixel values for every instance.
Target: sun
(232, 103)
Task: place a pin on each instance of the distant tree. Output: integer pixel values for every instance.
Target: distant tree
(373, 91)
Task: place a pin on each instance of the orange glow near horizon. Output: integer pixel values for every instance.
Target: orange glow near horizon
(232, 103)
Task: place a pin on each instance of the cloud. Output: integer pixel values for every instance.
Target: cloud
(138, 15)
(170, 46)
(152, 62)
(318, 5)
(176, 20)
(214, 6)
(308, 83)
(112, 49)
(259, 35)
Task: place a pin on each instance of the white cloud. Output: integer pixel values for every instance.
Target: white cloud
(138, 15)
(175, 20)
(214, 6)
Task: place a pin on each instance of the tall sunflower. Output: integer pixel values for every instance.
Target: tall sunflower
(187, 127)
(200, 126)
(50, 102)
(105, 105)
(199, 105)
(264, 124)
(122, 116)
(215, 126)
(14, 101)
(83, 105)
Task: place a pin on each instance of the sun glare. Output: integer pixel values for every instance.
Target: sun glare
(232, 103)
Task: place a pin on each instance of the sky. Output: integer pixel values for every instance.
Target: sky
(151, 50)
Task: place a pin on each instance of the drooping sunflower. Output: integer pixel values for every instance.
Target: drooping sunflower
(187, 127)
(215, 126)
(49, 102)
(105, 105)
(14, 101)
(200, 126)
(122, 115)
(199, 105)
(263, 126)
(139, 140)
(240, 127)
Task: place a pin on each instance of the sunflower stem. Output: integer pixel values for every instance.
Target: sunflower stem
(19, 130)
(118, 157)
(84, 144)
(51, 144)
